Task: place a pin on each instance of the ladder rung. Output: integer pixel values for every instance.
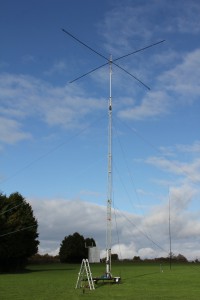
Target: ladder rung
(85, 268)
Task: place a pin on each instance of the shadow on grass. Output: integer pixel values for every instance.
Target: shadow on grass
(146, 274)
(49, 270)
(27, 271)
(101, 284)
(141, 275)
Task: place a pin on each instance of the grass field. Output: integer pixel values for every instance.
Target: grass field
(139, 281)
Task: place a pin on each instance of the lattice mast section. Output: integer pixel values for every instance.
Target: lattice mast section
(109, 195)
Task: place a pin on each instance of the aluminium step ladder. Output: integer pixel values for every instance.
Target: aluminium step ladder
(85, 275)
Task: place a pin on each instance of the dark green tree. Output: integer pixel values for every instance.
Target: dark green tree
(114, 257)
(90, 242)
(18, 232)
(73, 248)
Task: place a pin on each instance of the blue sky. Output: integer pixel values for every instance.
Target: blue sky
(53, 134)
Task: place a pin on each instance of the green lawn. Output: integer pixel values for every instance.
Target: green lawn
(139, 281)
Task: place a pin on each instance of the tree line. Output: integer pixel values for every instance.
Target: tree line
(19, 236)
(18, 232)
(19, 239)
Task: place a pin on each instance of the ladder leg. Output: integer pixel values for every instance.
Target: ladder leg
(85, 270)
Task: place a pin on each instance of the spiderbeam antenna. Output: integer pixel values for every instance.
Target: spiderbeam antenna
(108, 60)
(108, 275)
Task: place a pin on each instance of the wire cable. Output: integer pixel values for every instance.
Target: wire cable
(11, 208)
(12, 232)
(117, 231)
(194, 181)
(142, 232)
(39, 158)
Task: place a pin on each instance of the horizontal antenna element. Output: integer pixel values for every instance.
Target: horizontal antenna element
(108, 60)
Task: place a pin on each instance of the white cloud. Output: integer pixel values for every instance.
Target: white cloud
(59, 218)
(180, 82)
(58, 67)
(11, 131)
(153, 105)
(155, 18)
(189, 171)
(184, 78)
(66, 108)
(147, 253)
(172, 151)
(122, 21)
(127, 250)
(194, 148)
(141, 236)
(178, 85)
(24, 96)
(188, 21)
(182, 196)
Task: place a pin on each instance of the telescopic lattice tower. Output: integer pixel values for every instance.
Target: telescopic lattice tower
(110, 62)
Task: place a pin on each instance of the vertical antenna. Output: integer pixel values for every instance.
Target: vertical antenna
(109, 196)
(170, 241)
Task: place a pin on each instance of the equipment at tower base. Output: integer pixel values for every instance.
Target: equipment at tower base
(94, 255)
